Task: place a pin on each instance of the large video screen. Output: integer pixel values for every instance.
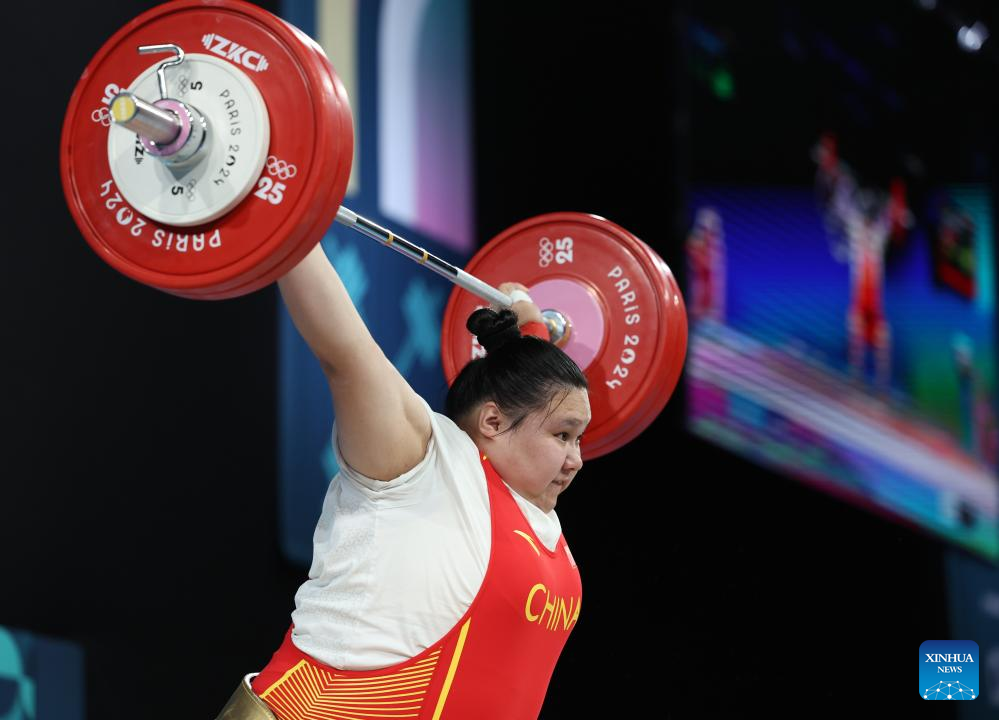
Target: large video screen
(840, 273)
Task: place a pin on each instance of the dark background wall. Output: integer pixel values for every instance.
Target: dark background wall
(139, 460)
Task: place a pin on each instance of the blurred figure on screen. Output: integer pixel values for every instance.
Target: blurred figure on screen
(706, 257)
(861, 223)
(978, 420)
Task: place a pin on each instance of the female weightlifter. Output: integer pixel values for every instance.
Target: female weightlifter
(440, 585)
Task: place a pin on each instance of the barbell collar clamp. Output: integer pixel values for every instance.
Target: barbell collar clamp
(145, 119)
(559, 326)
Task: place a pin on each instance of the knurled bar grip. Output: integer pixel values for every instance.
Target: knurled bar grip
(459, 277)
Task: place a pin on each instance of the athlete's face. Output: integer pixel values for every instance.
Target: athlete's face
(540, 457)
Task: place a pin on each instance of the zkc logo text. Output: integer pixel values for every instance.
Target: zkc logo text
(948, 670)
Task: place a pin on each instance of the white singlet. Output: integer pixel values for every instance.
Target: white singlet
(396, 564)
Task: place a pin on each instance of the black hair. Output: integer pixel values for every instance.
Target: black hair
(520, 374)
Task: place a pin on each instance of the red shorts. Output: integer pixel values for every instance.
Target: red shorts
(286, 657)
(296, 686)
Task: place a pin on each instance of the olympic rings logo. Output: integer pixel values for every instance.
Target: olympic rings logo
(101, 115)
(545, 252)
(283, 170)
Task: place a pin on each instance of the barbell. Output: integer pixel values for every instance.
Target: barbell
(210, 174)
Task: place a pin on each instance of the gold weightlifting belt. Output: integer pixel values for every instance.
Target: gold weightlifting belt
(246, 705)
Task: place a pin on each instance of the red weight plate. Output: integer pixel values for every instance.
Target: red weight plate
(674, 322)
(272, 228)
(668, 366)
(629, 322)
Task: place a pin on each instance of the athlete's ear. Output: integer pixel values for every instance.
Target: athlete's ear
(490, 420)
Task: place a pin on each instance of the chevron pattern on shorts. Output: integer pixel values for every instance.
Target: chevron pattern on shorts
(307, 692)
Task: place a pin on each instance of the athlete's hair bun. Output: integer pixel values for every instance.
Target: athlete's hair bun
(493, 329)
